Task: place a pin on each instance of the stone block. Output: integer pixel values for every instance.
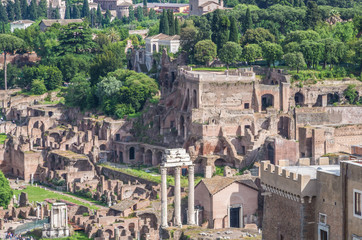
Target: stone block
(304, 162)
(283, 163)
(208, 172)
(323, 161)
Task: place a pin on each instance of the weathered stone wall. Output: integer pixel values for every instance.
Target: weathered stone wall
(279, 215)
(329, 202)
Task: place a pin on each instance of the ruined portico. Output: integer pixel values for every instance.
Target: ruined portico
(176, 158)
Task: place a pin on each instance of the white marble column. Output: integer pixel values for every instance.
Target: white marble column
(191, 197)
(177, 197)
(164, 197)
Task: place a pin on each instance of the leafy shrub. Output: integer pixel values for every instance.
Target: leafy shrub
(38, 87)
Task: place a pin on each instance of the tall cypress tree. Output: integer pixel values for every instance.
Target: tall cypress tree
(42, 8)
(233, 37)
(57, 13)
(67, 10)
(139, 11)
(85, 10)
(248, 20)
(3, 14)
(33, 10)
(10, 11)
(165, 26)
(24, 9)
(171, 23)
(99, 16)
(152, 14)
(76, 12)
(93, 17)
(17, 10)
(177, 26)
(313, 15)
(131, 17)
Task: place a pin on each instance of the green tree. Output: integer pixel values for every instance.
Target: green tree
(70, 65)
(313, 15)
(24, 9)
(295, 60)
(99, 17)
(152, 14)
(248, 23)
(33, 10)
(271, 52)
(9, 44)
(220, 28)
(171, 22)
(257, 36)
(351, 94)
(42, 9)
(78, 92)
(177, 26)
(75, 38)
(38, 87)
(3, 14)
(300, 36)
(312, 52)
(76, 12)
(230, 53)
(10, 11)
(251, 52)
(205, 51)
(234, 36)
(85, 9)
(6, 192)
(131, 16)
(103, 64)
(57, 13)
(13, 74)
(188, 39)
(17, 10)
(164, 26)
(67, 9)
(139, 13)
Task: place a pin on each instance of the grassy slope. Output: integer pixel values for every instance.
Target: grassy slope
(40, 194)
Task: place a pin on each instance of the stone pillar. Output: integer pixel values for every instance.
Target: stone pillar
(191, 197)
(324, 100)
(164, 197)
(177, 197)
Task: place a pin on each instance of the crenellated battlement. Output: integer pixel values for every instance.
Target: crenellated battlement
(290, 184)
(232, 75)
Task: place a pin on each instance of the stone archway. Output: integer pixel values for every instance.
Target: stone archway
(148, 157)
(267, 100)
(182, 126)
(299, 99)
(132, 153)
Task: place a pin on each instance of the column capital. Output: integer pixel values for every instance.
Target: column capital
(163, 170)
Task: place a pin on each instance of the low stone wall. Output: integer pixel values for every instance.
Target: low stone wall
(125, 178)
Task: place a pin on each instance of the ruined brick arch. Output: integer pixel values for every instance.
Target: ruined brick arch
(110, 232)
(299, 99)
(220, 162)
(56, 137)
(132, 153)
(333, 98)
(103, 147)
(148, 157)
(267, 100)
(40, 125)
